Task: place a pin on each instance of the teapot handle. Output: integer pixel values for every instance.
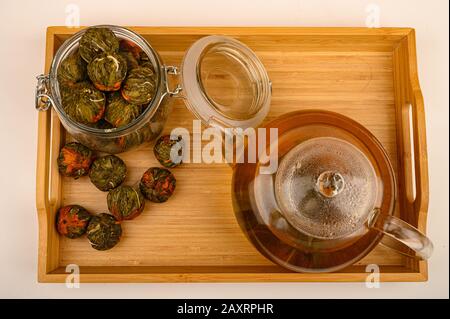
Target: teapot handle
(419, 246)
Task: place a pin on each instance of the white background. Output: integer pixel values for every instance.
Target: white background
(23, 25)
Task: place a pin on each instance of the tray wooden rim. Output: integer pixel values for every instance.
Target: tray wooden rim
(49, 269)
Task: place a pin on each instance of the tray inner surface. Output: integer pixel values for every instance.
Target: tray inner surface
(196, 227)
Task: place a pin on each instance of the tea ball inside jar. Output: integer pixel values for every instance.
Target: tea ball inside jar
(136, 138)
(108, 172)
(107, 71)
(102, 124)
(157, 184)
(125, 202)
(131, 47)
(104, 231)
(140, 85)
(72, 221)
(132, 62)
(84, 103)
(72, 70)
(96, 41)
(119, 112)
(75, 160)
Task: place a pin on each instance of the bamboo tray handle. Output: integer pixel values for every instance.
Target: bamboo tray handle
(421, 162)
(420, 200)
(43, 166)
(399, 234)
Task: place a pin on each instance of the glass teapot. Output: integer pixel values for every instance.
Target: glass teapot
(330, 201)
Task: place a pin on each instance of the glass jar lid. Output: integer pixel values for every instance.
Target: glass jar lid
(326, 187)
(225, 84)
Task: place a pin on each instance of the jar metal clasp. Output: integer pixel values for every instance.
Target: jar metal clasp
(43, 97)
(172, 70)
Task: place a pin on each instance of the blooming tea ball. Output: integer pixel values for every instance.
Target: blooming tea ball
(107, 71)
(119, 112)
(74, 160)
(104, 231)
(96, 41)
(129, 46)
(102, 124)
(140, 85)
(132, 62)
(72, 70)
(72, 221)
(68, 94)
(144, 134)
(107, 172)
(144, 60)
(163, 148)
(157, 184)
(84, 103)
(125, 202)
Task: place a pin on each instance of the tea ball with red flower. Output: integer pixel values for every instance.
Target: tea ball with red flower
(74, 160)
(72, 221)
(157, 184)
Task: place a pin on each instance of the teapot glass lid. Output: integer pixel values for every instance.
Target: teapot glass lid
(326, 187)
(225, 84)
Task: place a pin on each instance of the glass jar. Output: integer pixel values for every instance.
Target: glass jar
(145, 128)
(212, 65)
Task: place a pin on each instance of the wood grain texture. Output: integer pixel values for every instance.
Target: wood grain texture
(366, 74)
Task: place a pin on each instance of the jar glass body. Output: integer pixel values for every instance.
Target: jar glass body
(145, 128)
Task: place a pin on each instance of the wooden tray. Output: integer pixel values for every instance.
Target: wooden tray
(369, 75)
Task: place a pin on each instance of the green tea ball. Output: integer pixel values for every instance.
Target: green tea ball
(138, 137)
(104, 231)
(132, 62)
(84, 103)
(163, 149)
(119, 112)
(144, 61)
(107, 71)
(96, 41)
(72, 70)
(107, 172)
(140, 85)
(131, 47)
(125, 202)
(102, 124)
